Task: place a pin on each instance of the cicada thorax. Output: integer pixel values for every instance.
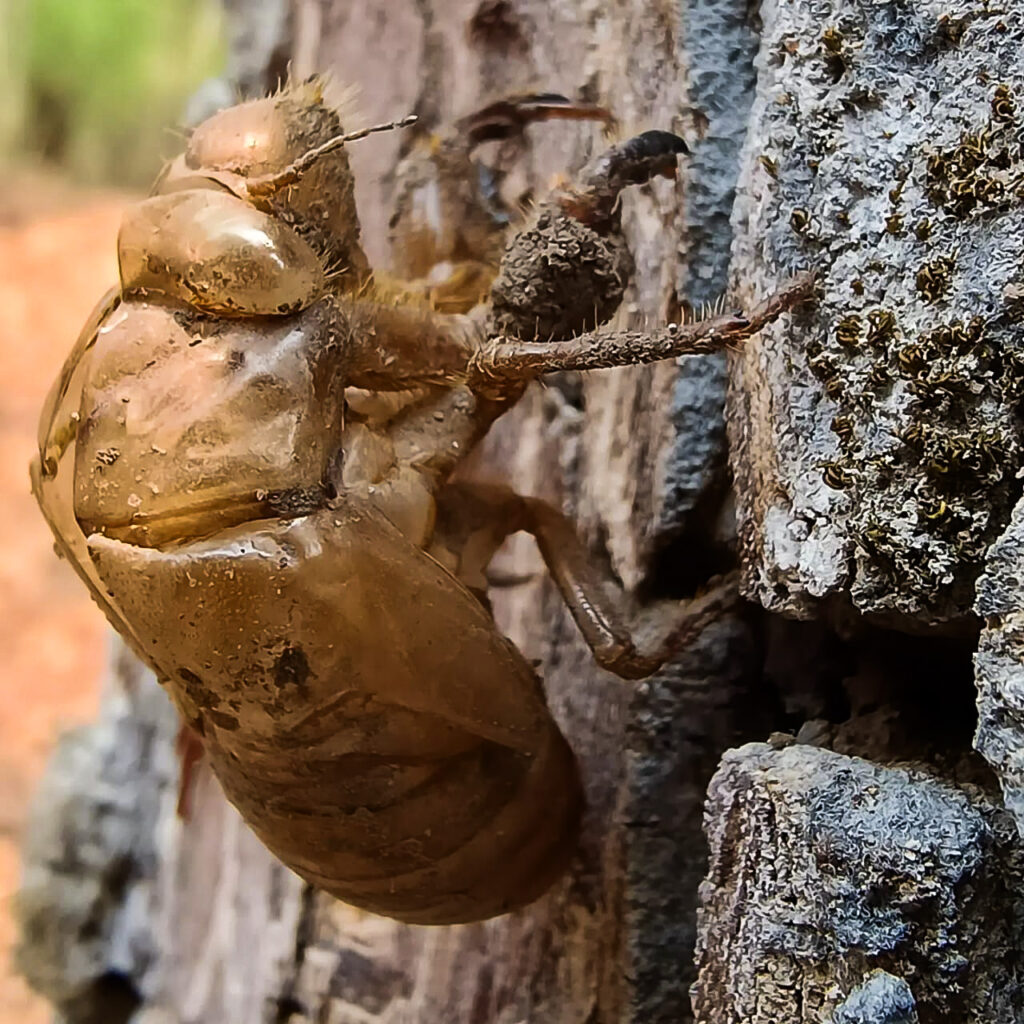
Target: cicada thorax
(202, 247)
(208, 391)
(190, 423)
(218, 254)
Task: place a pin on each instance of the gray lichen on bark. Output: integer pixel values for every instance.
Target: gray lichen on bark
(876, 447)
(825, 868)
(881, 999)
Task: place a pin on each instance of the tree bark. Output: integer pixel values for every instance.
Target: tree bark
(813, 908)
(840, 890)
(876, 448)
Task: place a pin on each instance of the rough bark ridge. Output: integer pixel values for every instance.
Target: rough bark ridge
(841, 891)
(876, 881)
(876, 452)
(999, 664)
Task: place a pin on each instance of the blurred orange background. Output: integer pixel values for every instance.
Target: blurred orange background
(56, 259)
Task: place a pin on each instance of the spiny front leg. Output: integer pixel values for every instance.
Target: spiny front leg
(393, 348)
(500, 362)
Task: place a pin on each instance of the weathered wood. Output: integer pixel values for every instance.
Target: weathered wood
(876, 460)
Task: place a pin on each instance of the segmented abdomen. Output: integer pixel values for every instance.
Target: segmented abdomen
(360, 709)
(457, 839)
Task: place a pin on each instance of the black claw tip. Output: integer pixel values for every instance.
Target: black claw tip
(655, 143)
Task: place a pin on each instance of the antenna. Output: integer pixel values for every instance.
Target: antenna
(268, 184)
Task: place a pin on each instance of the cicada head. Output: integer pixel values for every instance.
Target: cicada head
(256, 149)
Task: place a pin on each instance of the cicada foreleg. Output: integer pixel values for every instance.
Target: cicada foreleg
(501, 359)
(456, 202)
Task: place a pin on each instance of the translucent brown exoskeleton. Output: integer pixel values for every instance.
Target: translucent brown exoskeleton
(247, 458)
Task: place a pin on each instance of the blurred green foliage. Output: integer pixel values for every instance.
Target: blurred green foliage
(97, 86)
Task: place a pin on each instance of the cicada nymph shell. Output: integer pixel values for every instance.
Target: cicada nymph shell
(196, 470)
